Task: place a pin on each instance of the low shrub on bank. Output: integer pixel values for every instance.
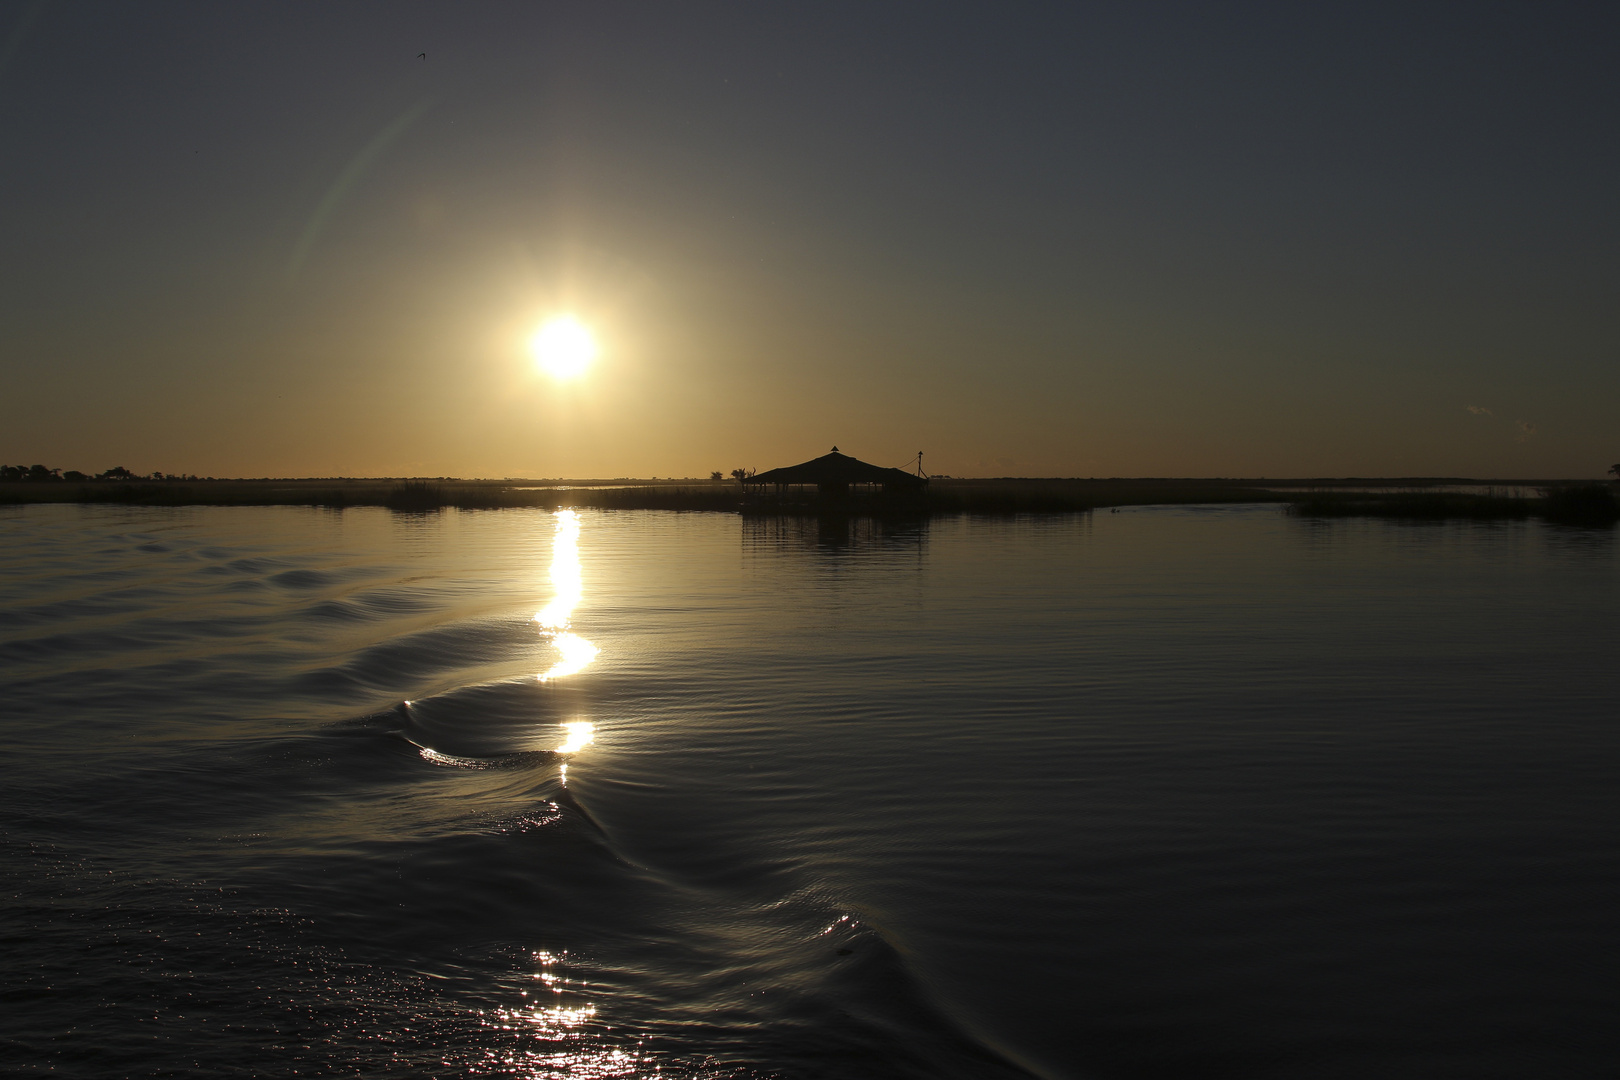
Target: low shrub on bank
(1584, 504)
(1425, 505)
(1577, 504)
(1588, 504)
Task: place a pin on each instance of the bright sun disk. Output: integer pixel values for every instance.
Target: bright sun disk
(563, 347)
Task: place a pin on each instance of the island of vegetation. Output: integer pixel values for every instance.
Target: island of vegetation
(745, 491)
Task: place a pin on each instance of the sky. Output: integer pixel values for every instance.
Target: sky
(1065, 239)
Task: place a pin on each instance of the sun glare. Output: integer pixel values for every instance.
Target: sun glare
(563, 347)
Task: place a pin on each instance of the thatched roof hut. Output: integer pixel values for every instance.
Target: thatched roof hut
(832, 474)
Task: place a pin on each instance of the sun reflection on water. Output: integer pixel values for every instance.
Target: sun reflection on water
(574, 653)
(559, 1032)
(561, 1039)
(576, 656)
(565, 575)
(580, 734)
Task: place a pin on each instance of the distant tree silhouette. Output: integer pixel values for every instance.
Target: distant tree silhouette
(40, 472)
(74, 474)
(117, 472)
(1615, 470)
(717, 475)
(12, 472)
(740, 475)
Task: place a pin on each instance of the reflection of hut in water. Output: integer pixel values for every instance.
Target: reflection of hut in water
(834, 480)
(842, 533)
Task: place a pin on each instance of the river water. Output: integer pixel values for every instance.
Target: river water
(1168, 792)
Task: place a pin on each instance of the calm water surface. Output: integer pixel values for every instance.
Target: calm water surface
(1173, 792)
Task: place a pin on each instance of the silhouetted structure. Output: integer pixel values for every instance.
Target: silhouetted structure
(832, 480)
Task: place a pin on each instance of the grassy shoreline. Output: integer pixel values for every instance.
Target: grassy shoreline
(1411, 498)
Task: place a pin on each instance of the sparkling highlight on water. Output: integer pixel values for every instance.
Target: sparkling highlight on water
(574, 652)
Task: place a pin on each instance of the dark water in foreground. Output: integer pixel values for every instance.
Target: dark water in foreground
(1165, 793)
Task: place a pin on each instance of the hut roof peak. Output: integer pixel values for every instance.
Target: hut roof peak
(835, 468)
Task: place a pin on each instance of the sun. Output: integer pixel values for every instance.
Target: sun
(564, 347)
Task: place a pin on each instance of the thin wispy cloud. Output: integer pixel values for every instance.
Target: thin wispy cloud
(1523, 430)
